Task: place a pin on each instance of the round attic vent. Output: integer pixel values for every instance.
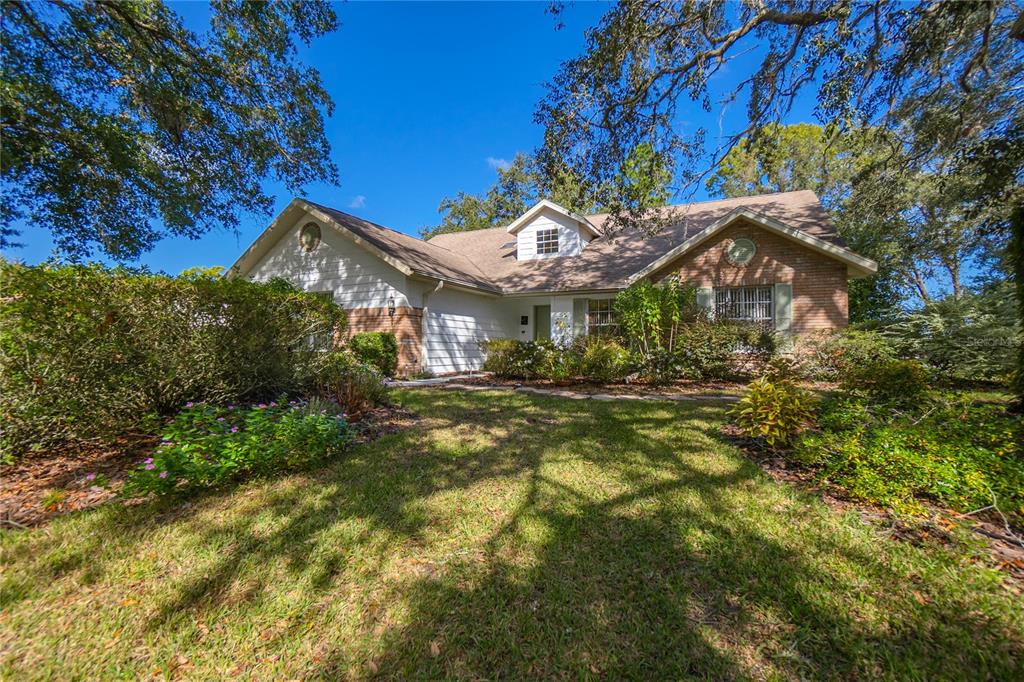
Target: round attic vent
(309, 236)
(741, 251)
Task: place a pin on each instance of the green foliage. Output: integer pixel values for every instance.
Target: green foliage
(346, 380)
(650, 314)
(603, 360)
(787, 158)
(205, 445)
(122, 125)
(512, 359)
(90, 352)
(671, 337)
(975, 338)
(892, 382)
(774, 412)
(595, 358)
(828, 356)
(379, 349)
(952, 451)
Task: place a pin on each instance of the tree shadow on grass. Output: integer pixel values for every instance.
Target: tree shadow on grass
(516, 536)
(670, 578)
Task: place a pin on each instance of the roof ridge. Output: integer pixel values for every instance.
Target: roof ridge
(718, 201)
(385, 227)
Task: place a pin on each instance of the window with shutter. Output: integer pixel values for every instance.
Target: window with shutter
(746, 304)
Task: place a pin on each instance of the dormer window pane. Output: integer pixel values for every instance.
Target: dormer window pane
(547, 241)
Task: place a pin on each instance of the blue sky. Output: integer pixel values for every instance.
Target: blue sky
(429, 96)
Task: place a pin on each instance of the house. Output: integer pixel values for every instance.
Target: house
(774, 259)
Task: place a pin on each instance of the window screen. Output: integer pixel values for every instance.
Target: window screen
(749, 304)
(547, 241)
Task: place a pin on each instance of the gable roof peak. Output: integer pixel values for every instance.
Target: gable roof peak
(523, 220)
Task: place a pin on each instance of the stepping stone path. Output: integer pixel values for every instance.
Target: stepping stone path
(452, 384)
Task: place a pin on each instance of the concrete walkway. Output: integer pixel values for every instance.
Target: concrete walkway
(453, 383)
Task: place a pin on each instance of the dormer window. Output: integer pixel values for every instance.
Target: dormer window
(547, 241)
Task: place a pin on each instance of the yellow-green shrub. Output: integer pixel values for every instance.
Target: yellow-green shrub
(773, 411)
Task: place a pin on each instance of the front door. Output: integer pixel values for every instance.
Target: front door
(541, 322)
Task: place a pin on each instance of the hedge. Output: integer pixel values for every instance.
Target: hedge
(88, 351)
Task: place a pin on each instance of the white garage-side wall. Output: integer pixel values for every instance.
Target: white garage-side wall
(457, 322)
(570, 239)
(357, 278)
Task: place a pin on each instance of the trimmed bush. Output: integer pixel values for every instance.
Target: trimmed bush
(348, 381)
(379, 349)
(89, 352)
(205, 445)
(773, 411)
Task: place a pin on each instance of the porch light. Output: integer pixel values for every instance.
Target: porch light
(391, 306)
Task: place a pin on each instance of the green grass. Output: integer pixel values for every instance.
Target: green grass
(503, 536)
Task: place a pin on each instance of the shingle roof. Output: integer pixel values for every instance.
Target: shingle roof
(486, 259)
(607, 262)
(425, 258)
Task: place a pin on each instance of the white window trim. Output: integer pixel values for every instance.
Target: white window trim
(612, 325)
(543, 237)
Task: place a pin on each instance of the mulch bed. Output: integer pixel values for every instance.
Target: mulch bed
(42, 485)
(1001, 549)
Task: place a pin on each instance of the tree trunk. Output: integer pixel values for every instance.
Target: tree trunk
(1017, 263)
(952, 266)
(922, 287)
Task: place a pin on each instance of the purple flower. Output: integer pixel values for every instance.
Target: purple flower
(163, 474)
(231, 407)
(234, 429)
(91, 477)
(261, 406)
(150, 467)
(273, 404)
(220, 419)
(189, 404)
(148, 460)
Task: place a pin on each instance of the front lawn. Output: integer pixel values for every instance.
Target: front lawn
(502, 535)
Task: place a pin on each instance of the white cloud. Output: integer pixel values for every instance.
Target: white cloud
(358, 201)
(497, 164)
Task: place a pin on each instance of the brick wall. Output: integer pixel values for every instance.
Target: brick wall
(819, 282)
(405, 325)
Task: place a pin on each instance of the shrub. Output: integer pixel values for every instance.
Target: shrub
(206, 445)
(774, 412)
(892, 382)
(708, 350)
(955, 452)
(348, 381)
(650, 314)
(828, 357)
(603, 360)
(512, 359)
(87, 351)
(379, 349)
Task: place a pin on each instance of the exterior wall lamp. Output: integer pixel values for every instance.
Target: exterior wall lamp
(391, 306)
